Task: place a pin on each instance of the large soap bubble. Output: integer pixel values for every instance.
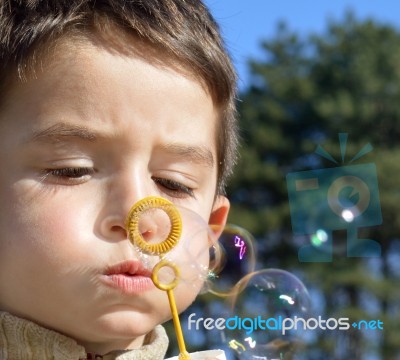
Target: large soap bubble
(264, 307)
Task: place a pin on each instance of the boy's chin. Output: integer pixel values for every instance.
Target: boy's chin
(121, 336)
(130, 327)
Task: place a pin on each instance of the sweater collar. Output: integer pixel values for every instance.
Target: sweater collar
(23, 339)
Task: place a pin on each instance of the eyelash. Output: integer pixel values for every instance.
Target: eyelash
(75, 175)
(174, 188)
(70, 175)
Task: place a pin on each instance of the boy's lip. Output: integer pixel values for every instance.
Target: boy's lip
(129, 277)
(128, 267)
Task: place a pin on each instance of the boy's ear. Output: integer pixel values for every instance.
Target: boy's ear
(219, 215)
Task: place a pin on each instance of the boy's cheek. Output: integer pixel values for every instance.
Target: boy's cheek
(39, 221)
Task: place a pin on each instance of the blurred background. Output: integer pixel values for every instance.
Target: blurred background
(319, 98)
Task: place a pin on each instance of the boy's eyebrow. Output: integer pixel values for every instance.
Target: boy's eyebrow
(196, 154)
(59, 131)
(56, 133)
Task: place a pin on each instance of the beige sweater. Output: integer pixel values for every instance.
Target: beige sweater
(24, 340)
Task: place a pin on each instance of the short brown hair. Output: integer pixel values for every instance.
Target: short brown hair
(184, 29)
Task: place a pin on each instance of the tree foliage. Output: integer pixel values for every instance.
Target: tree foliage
(303, 93)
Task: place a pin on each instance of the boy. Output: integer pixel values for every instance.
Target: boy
(102, 103)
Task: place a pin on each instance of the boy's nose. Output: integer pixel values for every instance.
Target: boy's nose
(123, 193)
(154, 225)
(121, 196)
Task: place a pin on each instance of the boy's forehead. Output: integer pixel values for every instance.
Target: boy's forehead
(66, 50)
(71, 59)
(83, 71)
(93, 66)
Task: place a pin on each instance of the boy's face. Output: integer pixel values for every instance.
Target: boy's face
(81, 143)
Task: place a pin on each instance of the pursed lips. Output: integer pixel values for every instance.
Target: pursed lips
(130, 277)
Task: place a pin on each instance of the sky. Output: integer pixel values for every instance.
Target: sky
(245, 22)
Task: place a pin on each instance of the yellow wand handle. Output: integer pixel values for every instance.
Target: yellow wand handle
(183, 354)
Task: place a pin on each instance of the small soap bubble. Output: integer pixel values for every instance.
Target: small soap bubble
(258, 308)
(232, 257)
(348, 215)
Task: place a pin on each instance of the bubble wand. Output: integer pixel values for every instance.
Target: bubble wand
(160, 249)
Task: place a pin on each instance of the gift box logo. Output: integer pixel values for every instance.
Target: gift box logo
(341, 198)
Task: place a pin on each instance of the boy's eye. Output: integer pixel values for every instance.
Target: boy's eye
(174, 188)
(70, 175)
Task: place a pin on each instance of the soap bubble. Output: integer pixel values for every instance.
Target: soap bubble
(263, 307)
(233, 257)
(188, 246)
(172, 241)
